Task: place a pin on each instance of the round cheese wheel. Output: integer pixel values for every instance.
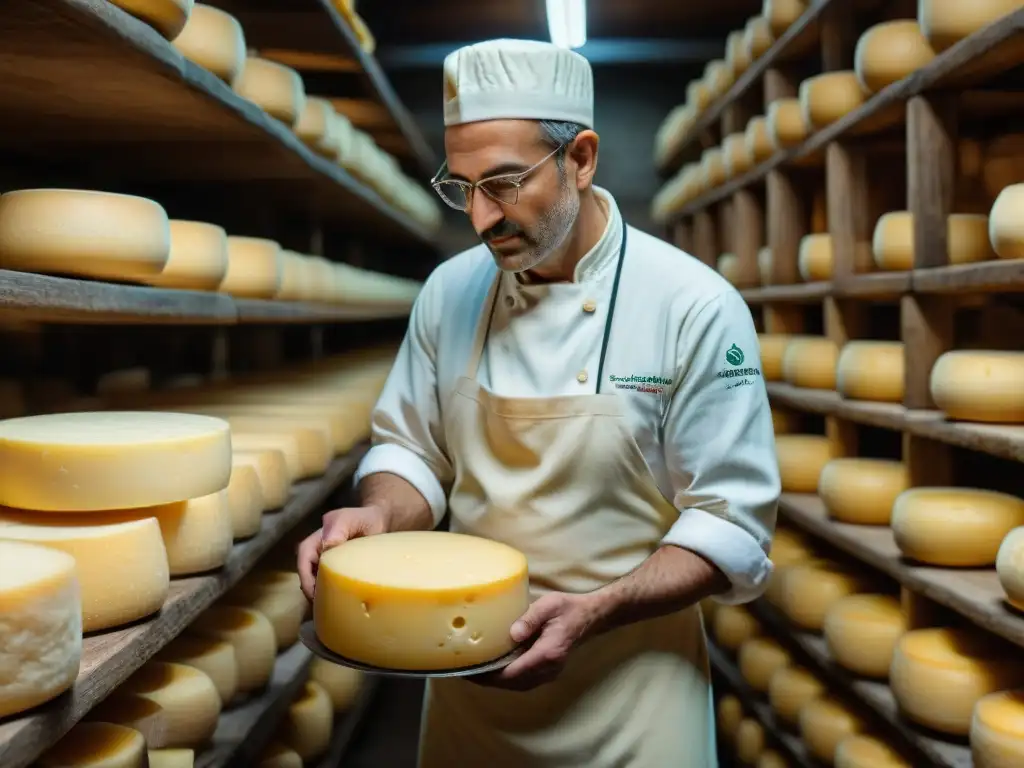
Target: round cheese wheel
(759, 140)
(773, 350)
(1010, 567)
(252, 636)
(41, 605)
(871, 370)
(814, 257)
(278, 596)
(801, 460)
(214, 40)
(997, 730)
(171, 758)
(980, 385)
(810, 361)
(198, 258)
(954, 527)
(736, 53)
(938, 675)
(245, 500)
(824, 724)
(782, 14)
(771, 759)
(272, 472)
(712, 168)
(254, 268)
(862, 632)
(789, 547)
(729, 267)
(946, 22)
(307, 726)
(277, 755)
(315, 124)
(718, 77)
(273, 87)
(759, 659)
(196, 532)
(83, 233)
(764, 265)
(892, 244)
(826, 98)
(735, 156)
(293, 277)
(215, 658)
(787, 126)
(809, 590)
(730, 714)
(790, 689)
(784, 422)
(862, 491)
(867, 752)
(698, 97)
(1005, 227)
(734, 625)
(889, 52)
(97, 745)
(757, 37)
(168, 17)
(749, 743)
(342, 684)
(446, 600)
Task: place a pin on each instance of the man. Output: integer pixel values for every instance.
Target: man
(591, 396)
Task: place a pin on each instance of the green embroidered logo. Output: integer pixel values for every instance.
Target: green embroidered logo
(734, 355)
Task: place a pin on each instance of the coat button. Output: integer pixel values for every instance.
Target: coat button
(589, 306)
(510, 301)
(581, 377)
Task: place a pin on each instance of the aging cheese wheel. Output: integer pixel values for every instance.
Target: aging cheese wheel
(764, 265)
(314, 126)
(980, 385)
(215, 658)
(946, 22)
(297, 465)
(954, 527)
(1010, 567)
(41, 632)
(121, 566)
(307, 725)
(252, 636)
(1005, 225)
(730, 714)
(254, 268)
(272, 473)
(312, 442)
(892, 244)
(824, 724)
(213, 40)
(718, 77)
(814, 257)
(735, 156)
(862, 491)
(273, 87)
(889, 52)
(293, 277)
(862, 632)
(808, 591)
(83, 233)
(826, 98)
(171, 758)
(196, 533)
(729, 267)
(733, 626)
(697, 96)
(757, 37)
(759, 659)
(867, 752)
(871, 370)
(787, 549)
(277, 755)
(782, 14)
(342, 684)
(97, 745)
(245, 500)
(712, 168)
(801, 460)
(198, 257)
(278, 596)
(168, 17)
(783, 421)
(787, 126)
(810, 361)
(759, 140)
(938, 675)
(790, 689)
(736, 53)
(997, 730)
(750, 740)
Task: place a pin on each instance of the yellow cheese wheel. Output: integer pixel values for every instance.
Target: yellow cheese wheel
(97, 745)
(198, 257)
(957, 527)
(764, 265)
(773, 349)
(814, 257)
(445, 600)
(771, 759)
(735, 156)
(808, 591)
(41, 628)
(946, 22)
(342, 684)
(277, 755)
(215, 658)
(729, 267)
(312, 441)
(306, 727)
(733, 626)
(892, 244)
(801, 460)
(297, 466)
(254, 268)
(787, 126)
(759, 659)
(196, 533)
(889, 52)
(980, 385)
(316, 433)
(272, 473)
(871, 370)
(712, 168)
(213, 40)
(171, 758)
(759, 140)
(251, 635)
(1010, 567)
(757, 37)
(938, 675)
(997, 730)
(789, 547)
(314, 126)
(168, 17)
(273, 87)
(718, 77)
(83, 233)
(824, 724)
(1005, 230)
(867, 752)
(784, 422)
(698, 97)
(293, 285)
(121, 566)
(862, 632)
(730, 714)
(862, 491)
(278, 596)
(790, 689)
(810, 361)
(736, 53)
(245, 500)
(826, 98)
(750, 741)
(782, 14)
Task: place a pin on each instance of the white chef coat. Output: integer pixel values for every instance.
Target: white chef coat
(683, 353)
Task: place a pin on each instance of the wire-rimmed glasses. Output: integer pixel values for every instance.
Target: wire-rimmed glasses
(503, 188)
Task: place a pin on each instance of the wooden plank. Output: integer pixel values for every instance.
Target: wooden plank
(787, 225)
(873, 285)
(346, 730)
(109, 658)
(801, 293)
(1004, 276)
(926, 328)
(255, 311)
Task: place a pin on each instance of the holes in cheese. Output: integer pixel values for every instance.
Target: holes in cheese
(749, 743)
(171, 758)
(773, 349)
(40, 625)
(712, 168)
(254, 268)
(955, 527)
(814, 257)
(307, 726)
(997, 730)
(980, 385)
(759, 659)
(1010, 567)
(213, 40)
(445, 600)
(272, 473)
(97, 745)
(278, 596)
(215, 658)
(277, 755)
(252, 636)
(938, 675)
(824, 723)
(758, 139)
(946, 22)
(862, 491)
(892, 244)
(733, 626)
(245, 500)
(342, 684)
(827, 97)
(810, 361)
(810, 589)
(83, 233)
(121, 565)
(871, 370)
(862, 631)
(867, 752)
(787, 126)
(789, 689)
(889, 52)
(198, 257)
(801, 460)
(1005, 229)
(273, 87)
(757, 37)
(168, 17)
(730, 714)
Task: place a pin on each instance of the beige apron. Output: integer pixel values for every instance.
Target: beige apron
(563, 480)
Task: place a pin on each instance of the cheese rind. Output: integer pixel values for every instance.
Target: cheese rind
(168, 17)
(759, 141)
(278, 596)
(214, 40)
(342, 684)
(272, 473)
(1005, 224)
(275, 88)
(245, 500)
(730, 714)
(801, 461)
(1010, 567)
(810, 362)
(215, 658)
(252, 636)
(782, 14)
(757, 37)
(862, 631)
(789, 689)
(307, 725)
(814, 258)
(946, 22)
(892, 244)
(827, 97)
(759, 659)
(980, 385)
(198, 257)
(824, 723)
(254, 268)
(171, 758)
(314, 126)
(445, 600)
(889, 52)
(787, 126)
(863, 751)
(862, 491)
(871, 370)
(997, 730)
(97, 745)
(733, 626)
(196, 533)
(809, 590)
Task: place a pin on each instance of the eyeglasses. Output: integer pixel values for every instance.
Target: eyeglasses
(503, 188)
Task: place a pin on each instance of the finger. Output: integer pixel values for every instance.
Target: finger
(548, 650)
(308, 558)
(536, 616)
(337, 529)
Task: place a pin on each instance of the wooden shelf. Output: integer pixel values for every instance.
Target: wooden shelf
(109, 658)
(873, 285)
(1005, 276)
(796, 293)
(258, 311)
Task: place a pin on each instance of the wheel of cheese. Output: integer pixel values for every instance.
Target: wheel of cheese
(718, 77)
(171, 758)
(313, 442)
(801, 460)
(273, 87)
(759, 140)
(814, 257)
(773, 350)
(826, 98)
(698, 97)
(272, 472)
(764, 265)
(1005, 228)
(808, 591)
(980, 385)
(771, 759)
(862, 631)
(729, 267)
(97, 745)
(1010, 567)
(759, 659)
(41, 635)
(254, 268)
(737, 160)
(293, 273)
(245, 500)
(997, 730)
(298, 466)
(734, 625)
(307, 725)
(954, 527)
(824, 724)
(757, 37)
(278, 596)
(214, 40)
(121, 566)
(83, 233)
(787, 126)
(889, 52)
(277, 755)
(736, 53)
(215, 658)
(871, 370)
(892, 244)
(446, 600)
(784, 422)
(730, 714)
(314, 126)
(810, 362)
(198, 257)
(867, 752)
(946, 22)
(750, 739)
(938, 675)
(712, 168)
(252, 636)
(342, 684)
(862, 491)
(782, 14)
(787, 549)
(168, 17)
(790, 689)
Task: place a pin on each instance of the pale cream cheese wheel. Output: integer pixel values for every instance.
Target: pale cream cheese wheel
(1010, 567)
(307, 724)
(862, 491)
(1005, 223)
(736, 53)
(214, 40)
(871, 370)
(759, 659)
(980, 385)
(733, 626)
(198, 258)
(749, 741)
(735, 156)
(712, 168)
(168, 17)
(273, 87)
(889, 52)
(814, 257)
(254, 268)
(315, 126)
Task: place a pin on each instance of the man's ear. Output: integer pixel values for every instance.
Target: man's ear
(583, 151)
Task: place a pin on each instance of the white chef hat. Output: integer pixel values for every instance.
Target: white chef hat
(517, 79)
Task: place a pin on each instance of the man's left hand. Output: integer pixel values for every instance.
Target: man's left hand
(557, 623)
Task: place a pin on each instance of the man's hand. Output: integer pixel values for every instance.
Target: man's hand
(340, 525)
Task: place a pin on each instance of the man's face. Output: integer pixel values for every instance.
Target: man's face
(523, 235)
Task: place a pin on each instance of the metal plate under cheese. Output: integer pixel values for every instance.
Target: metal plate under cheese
(308, 636)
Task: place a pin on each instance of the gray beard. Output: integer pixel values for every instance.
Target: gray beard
(552, 232)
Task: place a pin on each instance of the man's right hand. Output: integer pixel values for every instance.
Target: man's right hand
(339, 526)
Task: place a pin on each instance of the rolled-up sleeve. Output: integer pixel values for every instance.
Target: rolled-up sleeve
(407, 434)
(720, 447)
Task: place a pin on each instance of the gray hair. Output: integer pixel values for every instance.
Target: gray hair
(558, 133)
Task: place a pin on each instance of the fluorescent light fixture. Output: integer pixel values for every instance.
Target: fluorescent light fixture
(567, 22)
